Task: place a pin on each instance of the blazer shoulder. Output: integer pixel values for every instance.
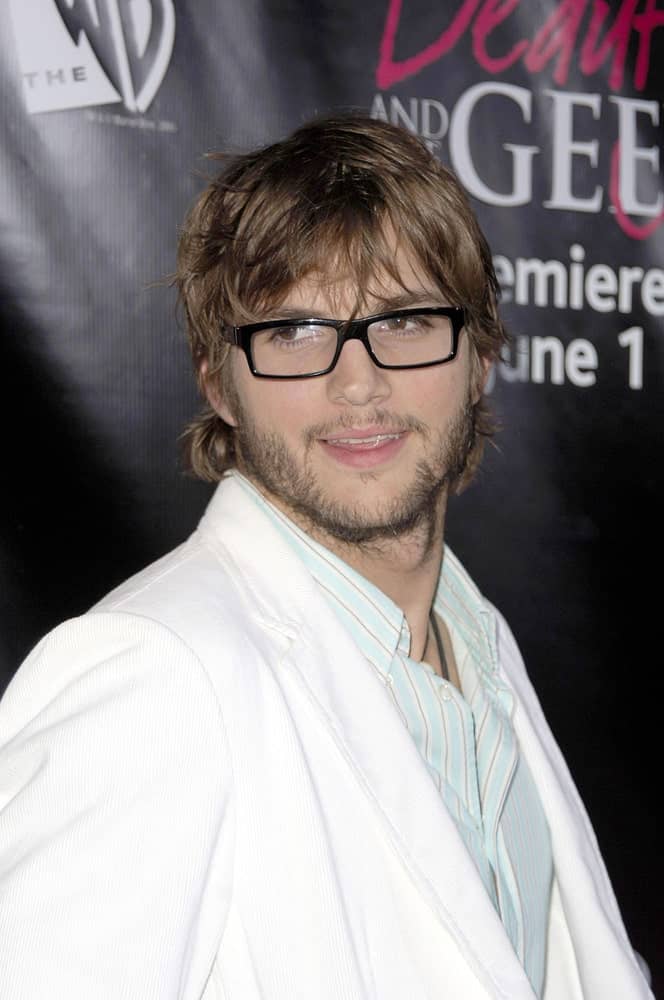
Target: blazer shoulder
(103, 655)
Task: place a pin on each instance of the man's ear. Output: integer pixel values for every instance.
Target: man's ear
(482, 370)
(215, 396)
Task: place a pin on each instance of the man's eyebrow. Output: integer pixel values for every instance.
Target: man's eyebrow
(292, 312)
(403, 300)
(411, 300)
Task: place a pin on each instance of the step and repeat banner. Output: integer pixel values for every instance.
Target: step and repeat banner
(551, 114)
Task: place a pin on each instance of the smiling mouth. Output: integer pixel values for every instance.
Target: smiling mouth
(363, 443)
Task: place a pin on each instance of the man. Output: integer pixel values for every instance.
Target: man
(300, 756)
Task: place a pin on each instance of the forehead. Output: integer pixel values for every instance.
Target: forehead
(333, 293)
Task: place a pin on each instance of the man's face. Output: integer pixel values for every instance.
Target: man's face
(361, 454)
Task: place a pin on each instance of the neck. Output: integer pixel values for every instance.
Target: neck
(405, 569)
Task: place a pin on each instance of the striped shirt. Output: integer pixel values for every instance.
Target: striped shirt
(465, 738)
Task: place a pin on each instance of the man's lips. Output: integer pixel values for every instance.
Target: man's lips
(363, 441)
(363, 437)
(365, 446)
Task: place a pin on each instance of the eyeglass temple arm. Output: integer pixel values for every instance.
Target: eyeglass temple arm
(231, 335)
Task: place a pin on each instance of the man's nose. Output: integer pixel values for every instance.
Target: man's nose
(355, 378)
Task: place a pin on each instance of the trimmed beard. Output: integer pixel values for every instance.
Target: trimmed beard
(266, 459)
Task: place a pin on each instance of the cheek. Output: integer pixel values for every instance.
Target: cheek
(437, 392)
(284, 408)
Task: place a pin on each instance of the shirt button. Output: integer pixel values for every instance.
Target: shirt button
(444, 692)
(389, 680)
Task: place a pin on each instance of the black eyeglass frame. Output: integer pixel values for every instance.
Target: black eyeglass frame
(351, 329)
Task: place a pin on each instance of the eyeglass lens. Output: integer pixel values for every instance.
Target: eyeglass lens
(397, 341)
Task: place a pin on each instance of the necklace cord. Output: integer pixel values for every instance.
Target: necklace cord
(439, 646)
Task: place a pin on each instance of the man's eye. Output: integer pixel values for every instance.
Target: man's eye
(296, 336)
(405, 324)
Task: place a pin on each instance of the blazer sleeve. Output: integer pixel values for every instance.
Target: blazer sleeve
(116, 817)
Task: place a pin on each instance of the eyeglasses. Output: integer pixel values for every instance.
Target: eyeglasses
(304, 348)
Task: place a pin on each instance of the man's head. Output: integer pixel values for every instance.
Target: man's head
(345, 207)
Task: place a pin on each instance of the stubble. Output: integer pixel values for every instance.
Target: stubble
(416, 511)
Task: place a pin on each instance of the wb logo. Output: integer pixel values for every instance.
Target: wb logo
(77, 53)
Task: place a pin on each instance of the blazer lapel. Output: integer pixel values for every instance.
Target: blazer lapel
(381, 756)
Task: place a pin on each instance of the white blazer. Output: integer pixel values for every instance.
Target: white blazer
(206, 792)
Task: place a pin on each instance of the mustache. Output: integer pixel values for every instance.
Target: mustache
(375, 418)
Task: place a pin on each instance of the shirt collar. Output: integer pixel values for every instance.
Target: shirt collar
(377, 624)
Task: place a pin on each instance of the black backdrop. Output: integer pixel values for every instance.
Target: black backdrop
(551, 114)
